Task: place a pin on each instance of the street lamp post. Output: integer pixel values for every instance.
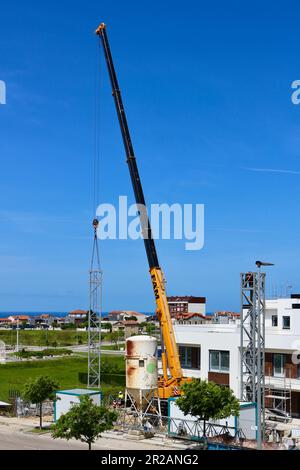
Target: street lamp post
(17, 346)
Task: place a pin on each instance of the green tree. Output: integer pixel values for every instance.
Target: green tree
(107, 326)
(85, 421)
(115, 337)
(150, 328)
(207, 400)
(38, 390)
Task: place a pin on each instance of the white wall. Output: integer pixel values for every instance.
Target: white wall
(209, 337)
(65, 401)
(226, 337)
(196, 308)
(245, 422)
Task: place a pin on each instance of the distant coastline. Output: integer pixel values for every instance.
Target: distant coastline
(33, 314)
(55, 314)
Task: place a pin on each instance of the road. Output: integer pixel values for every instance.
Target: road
(17, 440)
(82, 348)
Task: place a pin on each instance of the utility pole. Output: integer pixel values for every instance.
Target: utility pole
(94, 315)
(17, 346)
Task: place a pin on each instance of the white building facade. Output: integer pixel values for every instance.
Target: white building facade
(212, 351)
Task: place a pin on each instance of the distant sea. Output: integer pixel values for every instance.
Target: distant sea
(55, 314)
(32, 314)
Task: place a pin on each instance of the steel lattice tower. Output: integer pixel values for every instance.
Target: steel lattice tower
(94, 316)
(252, 346)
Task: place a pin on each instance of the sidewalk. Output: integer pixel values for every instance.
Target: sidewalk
(26, 424)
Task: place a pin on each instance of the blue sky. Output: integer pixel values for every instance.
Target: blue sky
(207, 90)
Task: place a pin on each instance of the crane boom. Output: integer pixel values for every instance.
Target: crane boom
(170, 357)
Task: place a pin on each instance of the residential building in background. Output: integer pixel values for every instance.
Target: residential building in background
(77, 316)
(129, 327)
(225, 316)
(19, 319)
(123, 315)
(189, 318)
(187, 304)
(212, 351)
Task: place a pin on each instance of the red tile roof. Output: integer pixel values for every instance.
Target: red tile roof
(20, 317)
(187, 316)
(127, 323)
(127, 312)
(78, 312)
(226, 313)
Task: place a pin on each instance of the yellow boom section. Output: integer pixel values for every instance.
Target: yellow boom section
(163, 313)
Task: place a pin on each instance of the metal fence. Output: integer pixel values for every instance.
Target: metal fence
(151, 424)
(24, 408)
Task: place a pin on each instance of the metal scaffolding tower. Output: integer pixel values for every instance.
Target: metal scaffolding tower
(279, 394)
(94, 315)
(252, 346)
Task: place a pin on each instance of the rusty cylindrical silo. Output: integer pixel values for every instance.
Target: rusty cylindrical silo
(141, 368)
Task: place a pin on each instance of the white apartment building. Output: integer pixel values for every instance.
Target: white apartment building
(212, 351)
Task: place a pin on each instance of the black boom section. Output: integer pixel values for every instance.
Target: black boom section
(131, 161)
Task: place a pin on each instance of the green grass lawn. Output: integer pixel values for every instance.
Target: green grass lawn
(65, 370)
(113, 347)
(44, 337)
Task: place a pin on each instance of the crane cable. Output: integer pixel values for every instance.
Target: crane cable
(95, 259)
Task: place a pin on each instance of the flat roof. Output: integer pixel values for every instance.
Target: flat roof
(78, 391)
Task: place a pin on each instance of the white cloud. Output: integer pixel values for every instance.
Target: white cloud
(272, 170)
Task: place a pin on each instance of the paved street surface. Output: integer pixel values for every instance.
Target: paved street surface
(82, 348)
(11, 439)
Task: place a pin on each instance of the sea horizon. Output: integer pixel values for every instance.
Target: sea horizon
(56, 314)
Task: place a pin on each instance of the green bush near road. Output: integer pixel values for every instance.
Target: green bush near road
(44, 353)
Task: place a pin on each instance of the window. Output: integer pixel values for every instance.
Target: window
(286, 323)
(189, 357)
(274, 320)
(219, 361)
(278, 365)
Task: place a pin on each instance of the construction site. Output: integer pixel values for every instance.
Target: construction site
(194, 379)
(263, 385)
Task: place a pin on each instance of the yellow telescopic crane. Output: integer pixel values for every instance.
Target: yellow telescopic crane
(172, 379)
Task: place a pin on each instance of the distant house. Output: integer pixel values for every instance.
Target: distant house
(153, 319)
(130, 327)
(5, 321)
(186, 304)
(44, 320)
(19, 319)
(190, 318)
(123, 315)
(77, 316)
(225, 316)
(58, 321)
